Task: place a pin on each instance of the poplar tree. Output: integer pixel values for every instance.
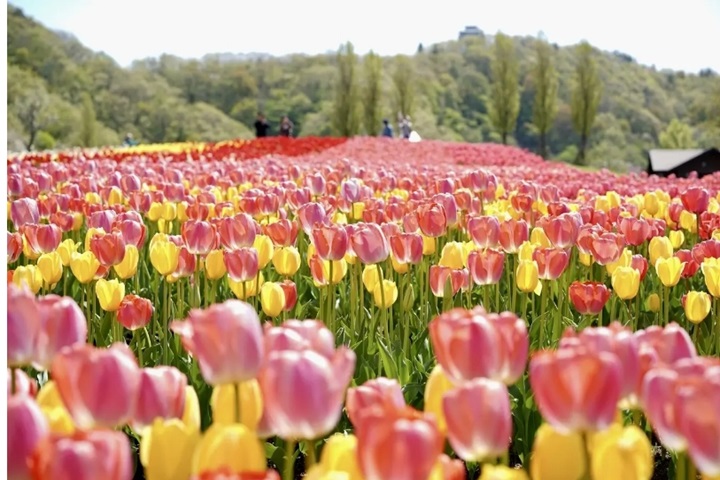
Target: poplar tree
(545, 79)
(505, 92)
(372, 69)
(346, 118)
(403, 83)
(586, 95)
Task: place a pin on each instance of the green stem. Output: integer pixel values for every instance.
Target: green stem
(666, 291)
(330, 294)
(311, 455)
(289, 470)
(236, 387)
(692, 472)
(166, 344)
(681, 466)
(137, 341)
(586, 454)
(541, 317)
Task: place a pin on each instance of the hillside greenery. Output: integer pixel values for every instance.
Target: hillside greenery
(62, 94)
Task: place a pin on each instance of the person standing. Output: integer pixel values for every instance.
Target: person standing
(406, 127)
(262, 127)
(387, 129)
(286, 127)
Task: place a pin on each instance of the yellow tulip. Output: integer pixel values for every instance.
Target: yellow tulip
(688, 221)
(614, 199)
(128, 267)
(52, 406)
(525, 251)
(370, 277)
(286, 261)
(155, 212)
(191, 414)
(339, 270)
(556, 456)
(652, 303)
(438, 384)
(339, 218)
(585, 259)
(66, 249)
(711, 271)
(109, 293)
(245, 290)
(78, 221)
(169, 211)
(357, 210)
(622, 452)
(224, 399)
(51, 267)
(501, 472)
(677, 238)
(84, 266)
(697, 306)
(669, 270)
(625, 282)
(29, 275)
(92, 232)
(28, 251)
(386, 295)
(429, 245)
(272, 299)
(215, 265)
(164, 256)
(310, 253)
(602, 203)
(265, 249)
(339, 456)
(526, 276)
(452, 255)
(624, 260)
(165, 440)
(716, 234)
(660, 247)
(397, 266)
(93, 198)
(115, 197)
(538, 237)
(219, 447)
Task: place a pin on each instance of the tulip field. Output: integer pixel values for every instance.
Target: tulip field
(358, 309)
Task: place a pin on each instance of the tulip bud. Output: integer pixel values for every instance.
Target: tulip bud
(386, 295)
(622, 453)
(697, 306)
(626, 282)
(652, 303)
(128, 266)
(225, 404)
(526, 276)
(272, 299)
(30, 276)
(51, 267)
(168, 438)
(164, 256)
(669, 270)
(660, 247)
(265, 250)
(556, 456)
(219, 447)
(286, 261)
(677, 238)
(438, 384)
(215, 265)
(110, 294)
(84, 266)
(66, 249)
(452, 255)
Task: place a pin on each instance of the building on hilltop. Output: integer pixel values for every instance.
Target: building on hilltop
(682, 163)
(470, 31)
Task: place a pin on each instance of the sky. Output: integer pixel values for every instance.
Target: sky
(666, 33)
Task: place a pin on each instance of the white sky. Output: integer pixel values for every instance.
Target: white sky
(668, 33)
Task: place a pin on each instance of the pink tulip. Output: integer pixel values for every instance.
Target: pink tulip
(99, 386)
(92, 455)
(331, 242)
(23, 326)
(14, 246)
(484, 231)
(161, 395)
(24, 211)
(242, 263)
(63, 324)
(551, 262)
(576, 389)
(562, 231)
(200, 237)
(26, 427)
(226, 339)
(133, 232)
(439, 276)
(457, 336)
(369, 243)
(300, 335)
(101, 219)
(478, 419)
(486, 266)
(407, 247)
(699, 420)
(663, 346)
(304, 391)
(383, 392)
(42, 238)
(310, 215)
(236, 232)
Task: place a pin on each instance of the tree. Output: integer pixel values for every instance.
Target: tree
(88, 132)
(505, 91)
(677, 135)
(372, 93)
(346, 118)
(32, 107)
(546, 85)
(403, 78)
(586, 94)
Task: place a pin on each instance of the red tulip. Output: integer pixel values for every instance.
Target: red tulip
(226, 340)
(198, 211)
(691, 266)
(24, 211)
(484, 231)
(331, 242)
(283, 233)
(236, 232)
(449, 207)
(636, 231)
(407, 247)
(42, 238)
(135, 312)
(377, 392)
(432, 219)
(200, 237)
(706, 249)
(639, 263)
(479, 420)
(311, 214)
(576, 389)
(404, 446)
(303, 391)
(87, 455)
(63, 325)
(486, 266)
(439, 276)
(552, 262)
(26, 427)
(458, 334)
(187, 264)
(607, 248)
(109, 248)
(588, 298)
(242, 264)
(161, 395)
(695, 200)
(14, 246)
(23, 326)
(512, 234)
(97, 385)
(369, 243)
(64, 220)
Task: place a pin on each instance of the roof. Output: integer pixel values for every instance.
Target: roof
(663, 160)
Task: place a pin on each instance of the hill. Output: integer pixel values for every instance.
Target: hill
(61, 93)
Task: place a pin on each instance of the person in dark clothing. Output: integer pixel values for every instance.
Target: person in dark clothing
(261, 126)
(286, 127)
(387, 129)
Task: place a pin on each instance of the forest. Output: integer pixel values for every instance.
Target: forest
(488, 88)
